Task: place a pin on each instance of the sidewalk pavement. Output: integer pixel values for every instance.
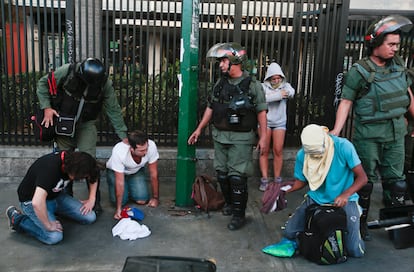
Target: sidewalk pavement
(186, 233)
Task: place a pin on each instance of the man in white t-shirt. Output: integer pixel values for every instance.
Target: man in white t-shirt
(126, 172)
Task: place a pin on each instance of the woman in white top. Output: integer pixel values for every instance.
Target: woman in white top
(277, 91)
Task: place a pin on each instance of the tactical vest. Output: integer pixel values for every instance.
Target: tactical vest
(233, 108)
(385, 96)
(70, 90)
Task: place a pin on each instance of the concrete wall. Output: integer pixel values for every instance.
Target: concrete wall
(15, 160)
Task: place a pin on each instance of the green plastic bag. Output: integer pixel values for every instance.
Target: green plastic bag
(285, 248)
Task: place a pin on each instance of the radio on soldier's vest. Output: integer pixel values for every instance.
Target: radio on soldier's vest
(233, 109)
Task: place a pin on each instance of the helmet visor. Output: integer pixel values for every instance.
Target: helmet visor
(389, 24)
(220, 50)
(234, 52)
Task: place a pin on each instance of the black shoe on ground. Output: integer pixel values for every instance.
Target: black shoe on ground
(365, 235)
(236, 223)
(11, 212)
(227, 210)
(98, 208)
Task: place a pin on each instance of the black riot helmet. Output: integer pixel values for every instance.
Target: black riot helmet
(390, 24)
(92, 72)
(233, 51)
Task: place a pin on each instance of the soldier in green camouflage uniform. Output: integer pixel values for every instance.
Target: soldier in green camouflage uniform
(71, 81)
(236, 107)
(378, 89)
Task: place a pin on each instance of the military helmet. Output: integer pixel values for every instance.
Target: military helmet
(92, 72)
(377, 31)
(233, 51)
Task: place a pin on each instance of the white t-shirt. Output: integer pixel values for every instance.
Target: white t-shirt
(121, 159)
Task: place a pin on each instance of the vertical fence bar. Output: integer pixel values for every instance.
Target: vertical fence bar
(27, 90)
(3, 72)
(238, 16)
(11, 90)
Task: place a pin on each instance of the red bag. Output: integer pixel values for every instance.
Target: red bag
(274, 198)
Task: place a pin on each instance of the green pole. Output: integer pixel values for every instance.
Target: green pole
(188, 101)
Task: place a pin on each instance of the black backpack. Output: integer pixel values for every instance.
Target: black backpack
(323, 240)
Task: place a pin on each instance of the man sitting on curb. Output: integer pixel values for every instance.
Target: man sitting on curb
(42, 195)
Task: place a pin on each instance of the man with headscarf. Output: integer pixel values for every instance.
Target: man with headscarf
(333, 171)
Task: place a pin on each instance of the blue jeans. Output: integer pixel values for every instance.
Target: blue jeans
(63, 205)
(354, 243)
(135, 186)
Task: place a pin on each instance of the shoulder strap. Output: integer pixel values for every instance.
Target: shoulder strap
(208, 179)
(217, 88)
(364, 66)
(399, 60)
(244, 85)
(369, 67)
(201, 183)
(367, 64)
(71, 70)
(51, 81)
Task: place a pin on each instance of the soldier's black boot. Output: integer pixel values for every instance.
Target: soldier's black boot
(410, 187)
(239, 197)
(364, 201)
(394, 193)
(224, 182)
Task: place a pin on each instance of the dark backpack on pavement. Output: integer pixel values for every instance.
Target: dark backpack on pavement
(323, 240)
(205, 194)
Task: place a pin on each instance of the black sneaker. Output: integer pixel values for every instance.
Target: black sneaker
(11, 212)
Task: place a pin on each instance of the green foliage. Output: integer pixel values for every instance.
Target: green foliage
(150, 102)
(18, 99)
(313, 109)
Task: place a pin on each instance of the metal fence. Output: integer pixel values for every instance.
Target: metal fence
(139, 42)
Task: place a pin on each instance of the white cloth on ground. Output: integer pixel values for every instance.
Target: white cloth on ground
(128, 229)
